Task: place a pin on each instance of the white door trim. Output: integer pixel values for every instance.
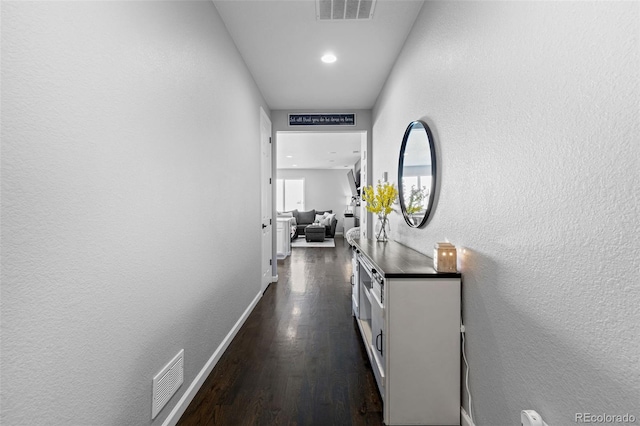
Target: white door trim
(266, 186)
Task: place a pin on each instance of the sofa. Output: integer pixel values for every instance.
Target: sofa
(304, 219)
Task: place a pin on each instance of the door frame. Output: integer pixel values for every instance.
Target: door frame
(266, 200)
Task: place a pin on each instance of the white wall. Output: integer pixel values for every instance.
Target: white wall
(124, 126)
(534, 108)
(323, 190)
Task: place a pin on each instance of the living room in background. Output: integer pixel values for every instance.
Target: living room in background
(323, 159)
(289, 194)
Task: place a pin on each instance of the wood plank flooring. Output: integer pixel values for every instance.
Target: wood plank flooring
(298, 359)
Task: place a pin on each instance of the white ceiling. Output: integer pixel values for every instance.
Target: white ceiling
(306, 150)
(281, 42)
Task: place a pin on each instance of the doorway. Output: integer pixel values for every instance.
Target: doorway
(315, 165)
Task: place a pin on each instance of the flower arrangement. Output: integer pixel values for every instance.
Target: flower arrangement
(380, 202)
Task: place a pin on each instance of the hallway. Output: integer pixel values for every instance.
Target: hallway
(298, 358)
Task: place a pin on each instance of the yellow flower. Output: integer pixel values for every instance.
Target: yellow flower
(381, 200)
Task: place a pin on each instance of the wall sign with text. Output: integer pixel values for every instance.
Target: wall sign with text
(322, 119)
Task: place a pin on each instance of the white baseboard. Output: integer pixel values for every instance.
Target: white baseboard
(274, 278)
(465, 420)
(188, 396)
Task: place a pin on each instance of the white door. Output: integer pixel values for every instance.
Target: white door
(267, 227)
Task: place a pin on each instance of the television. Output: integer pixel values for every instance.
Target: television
(352, 183)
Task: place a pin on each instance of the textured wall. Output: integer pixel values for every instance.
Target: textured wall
(534, 107)
(128, 130)
(323, 190)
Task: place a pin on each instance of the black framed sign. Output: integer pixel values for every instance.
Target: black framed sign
(322, 119)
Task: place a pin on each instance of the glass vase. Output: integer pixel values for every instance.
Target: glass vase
(382, 229)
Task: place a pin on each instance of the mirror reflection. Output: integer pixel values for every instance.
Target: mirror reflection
(417, 174)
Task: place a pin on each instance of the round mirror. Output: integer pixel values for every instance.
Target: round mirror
(417, 174)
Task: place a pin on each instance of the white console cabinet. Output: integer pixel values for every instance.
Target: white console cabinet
(283, 236)
(409, 319)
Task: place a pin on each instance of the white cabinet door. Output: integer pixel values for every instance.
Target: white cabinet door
(378, 341)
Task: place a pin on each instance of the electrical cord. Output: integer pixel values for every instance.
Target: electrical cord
(466, 363)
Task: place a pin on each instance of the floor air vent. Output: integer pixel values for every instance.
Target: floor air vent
(167, 382)
(334, 10)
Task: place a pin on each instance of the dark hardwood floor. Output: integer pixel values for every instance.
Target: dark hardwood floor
(298, 359)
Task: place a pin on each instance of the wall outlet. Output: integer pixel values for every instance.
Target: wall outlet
(531, 418)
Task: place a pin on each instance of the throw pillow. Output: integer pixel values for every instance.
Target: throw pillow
(329, 219)
(324, 219)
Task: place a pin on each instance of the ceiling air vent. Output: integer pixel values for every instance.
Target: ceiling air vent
(337, 10)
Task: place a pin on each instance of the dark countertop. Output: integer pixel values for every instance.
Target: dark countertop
(394, 260)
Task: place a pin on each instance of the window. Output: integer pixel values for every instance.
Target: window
(289, 194)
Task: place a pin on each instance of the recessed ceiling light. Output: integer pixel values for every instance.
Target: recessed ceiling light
(332, 152)
(294, 165)
(289, 156)
(329, 58)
